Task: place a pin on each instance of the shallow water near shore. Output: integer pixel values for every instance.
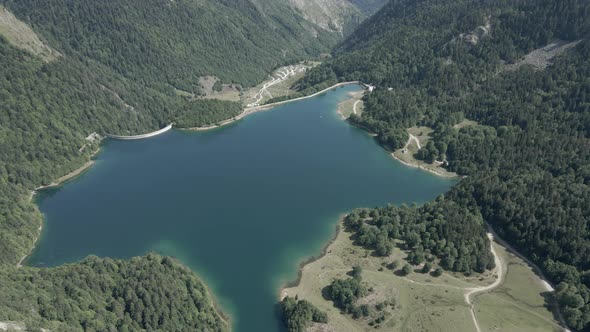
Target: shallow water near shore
(242, 205)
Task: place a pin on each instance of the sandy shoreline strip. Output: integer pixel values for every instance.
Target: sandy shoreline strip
(354, 96)
(252, 110)
(65, 177)
(424, 168)
(309, 260)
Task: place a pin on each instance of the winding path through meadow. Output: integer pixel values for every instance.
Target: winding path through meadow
(500, 272)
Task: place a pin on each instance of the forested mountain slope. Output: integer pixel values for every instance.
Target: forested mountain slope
(121, 67)
(528, 159)
(171, 43)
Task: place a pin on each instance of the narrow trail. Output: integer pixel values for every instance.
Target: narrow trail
(501, 273)
(354, 106)
(412, 138)
(537, 270)
(501, 269)
(22, 260)
(9, 326)
(282, 76)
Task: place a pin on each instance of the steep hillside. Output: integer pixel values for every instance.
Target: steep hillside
(368, 7)
(526, 147)
(172, 43)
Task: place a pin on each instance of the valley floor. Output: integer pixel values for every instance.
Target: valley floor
(254, 109)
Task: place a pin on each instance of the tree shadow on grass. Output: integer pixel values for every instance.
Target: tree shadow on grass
(551, 304)
(326, 293)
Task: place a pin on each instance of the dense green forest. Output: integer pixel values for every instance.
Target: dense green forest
(170, 44)
(150, 293)
(441, 229)
(527, 161)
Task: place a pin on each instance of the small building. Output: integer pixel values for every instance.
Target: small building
(369, 87)
(93, 137)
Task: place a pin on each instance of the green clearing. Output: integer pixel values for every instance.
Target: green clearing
(406, 154)
(518, 304)
(423, 302)
(226, 94)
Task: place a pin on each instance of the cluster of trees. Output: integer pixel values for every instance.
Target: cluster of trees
(527, 160)
(150, 293)
(206, 112)
(298, 314)
(345, 292)
(441, 229)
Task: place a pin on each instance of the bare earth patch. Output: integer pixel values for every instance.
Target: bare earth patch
(354, 105)
(22, 36)
(465, 123)
(542, 57)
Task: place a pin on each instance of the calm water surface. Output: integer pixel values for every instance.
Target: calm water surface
(241, 205)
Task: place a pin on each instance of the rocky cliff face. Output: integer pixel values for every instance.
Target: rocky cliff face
(331, 15)
(339, 16)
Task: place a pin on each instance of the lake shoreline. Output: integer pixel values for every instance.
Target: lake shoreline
(256, 109)
(325, 250)
(55, 183)
(66, 177)
(442, 175)
(448, 176)
(79, 171)
(303, 260)
(89, 163)
(340, 224)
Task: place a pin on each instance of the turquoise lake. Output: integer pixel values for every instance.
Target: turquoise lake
(241, 205)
